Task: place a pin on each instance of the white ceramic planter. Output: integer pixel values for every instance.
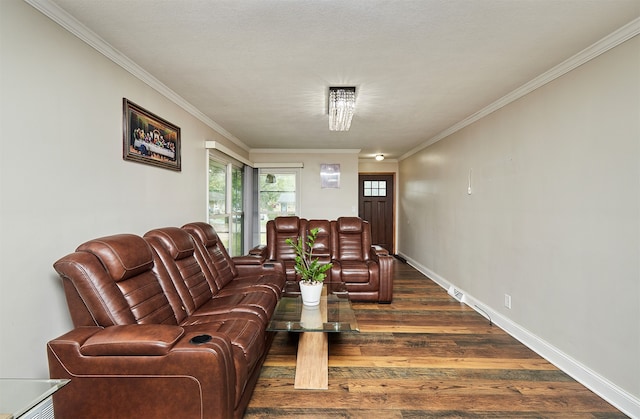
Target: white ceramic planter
(311, 293)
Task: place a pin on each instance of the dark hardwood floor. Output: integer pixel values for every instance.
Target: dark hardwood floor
(423, 356)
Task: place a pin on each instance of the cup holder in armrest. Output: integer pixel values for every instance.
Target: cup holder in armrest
(270, 263)
(197, 340)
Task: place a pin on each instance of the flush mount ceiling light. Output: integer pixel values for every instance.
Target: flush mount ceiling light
(342, 103)
(379, 157)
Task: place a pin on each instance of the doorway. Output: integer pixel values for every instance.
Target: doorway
(375, 205)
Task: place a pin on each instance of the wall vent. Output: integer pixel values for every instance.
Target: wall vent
(457, 294)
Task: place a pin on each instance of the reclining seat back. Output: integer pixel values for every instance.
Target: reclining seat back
(351, 246)
(352, 239)
(219, 261)
(176, 251)
(278, 231)
(322, 246)
(180, 270)
(109, 281)
(242, 314)
(221, 269)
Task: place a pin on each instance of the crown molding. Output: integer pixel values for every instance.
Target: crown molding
(605, 44)
(71, 24)
(305, 150)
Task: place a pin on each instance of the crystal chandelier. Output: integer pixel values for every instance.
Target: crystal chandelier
(342, 102)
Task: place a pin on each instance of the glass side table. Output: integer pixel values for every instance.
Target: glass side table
(19, 398)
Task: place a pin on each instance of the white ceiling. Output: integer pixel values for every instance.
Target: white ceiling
(261, 68)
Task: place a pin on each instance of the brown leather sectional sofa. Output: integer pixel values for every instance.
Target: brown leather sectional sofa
(166, 326)
(345, 242)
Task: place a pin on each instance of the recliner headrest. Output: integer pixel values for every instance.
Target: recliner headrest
(176, 241)
(122, 255)
(287, 224)
(204, 232)
(349, 225)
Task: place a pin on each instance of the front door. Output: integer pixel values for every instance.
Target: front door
(375, 205)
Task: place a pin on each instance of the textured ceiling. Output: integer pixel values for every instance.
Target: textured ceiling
(261, 68)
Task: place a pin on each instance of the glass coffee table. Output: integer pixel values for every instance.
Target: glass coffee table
(333, 315)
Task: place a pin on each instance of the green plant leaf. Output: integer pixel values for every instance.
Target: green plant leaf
(309, 268)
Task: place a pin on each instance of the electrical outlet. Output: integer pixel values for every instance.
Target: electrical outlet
(507, 301)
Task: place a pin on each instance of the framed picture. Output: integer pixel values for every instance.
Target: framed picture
(149, 139)
(330, 176)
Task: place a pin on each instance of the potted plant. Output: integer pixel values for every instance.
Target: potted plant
(311, 271)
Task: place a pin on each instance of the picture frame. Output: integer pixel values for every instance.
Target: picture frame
(330, 176)
(149, 139)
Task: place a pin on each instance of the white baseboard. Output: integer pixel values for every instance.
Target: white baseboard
(622, 400)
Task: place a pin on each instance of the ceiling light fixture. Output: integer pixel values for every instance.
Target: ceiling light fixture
(342, 103)
(379, 157)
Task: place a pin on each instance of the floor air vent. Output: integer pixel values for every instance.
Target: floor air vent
(456, 293)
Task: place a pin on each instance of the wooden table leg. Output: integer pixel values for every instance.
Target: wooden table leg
(312, 364)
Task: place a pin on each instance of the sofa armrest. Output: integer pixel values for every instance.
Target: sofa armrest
(259, 250)
(264, 267)
(379, 250)
(132, 340)
(247, 260)
(385, 267)
(190, 380)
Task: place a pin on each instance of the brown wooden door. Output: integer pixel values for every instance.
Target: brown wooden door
(375, 204)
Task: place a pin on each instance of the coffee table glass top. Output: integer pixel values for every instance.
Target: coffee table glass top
(333, 314)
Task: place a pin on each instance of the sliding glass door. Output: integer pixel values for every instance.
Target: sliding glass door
(226, 205)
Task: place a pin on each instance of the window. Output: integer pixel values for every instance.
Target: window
(375, 188)
(277, 195)
(226, 206)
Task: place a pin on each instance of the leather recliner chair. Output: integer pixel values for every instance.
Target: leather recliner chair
(365, 269)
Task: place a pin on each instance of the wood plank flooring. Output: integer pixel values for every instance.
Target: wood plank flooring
(423, 356)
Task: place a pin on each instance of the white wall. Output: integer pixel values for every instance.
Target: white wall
(316, 202)
(62, 177)
(372, 166)
(554, 214)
